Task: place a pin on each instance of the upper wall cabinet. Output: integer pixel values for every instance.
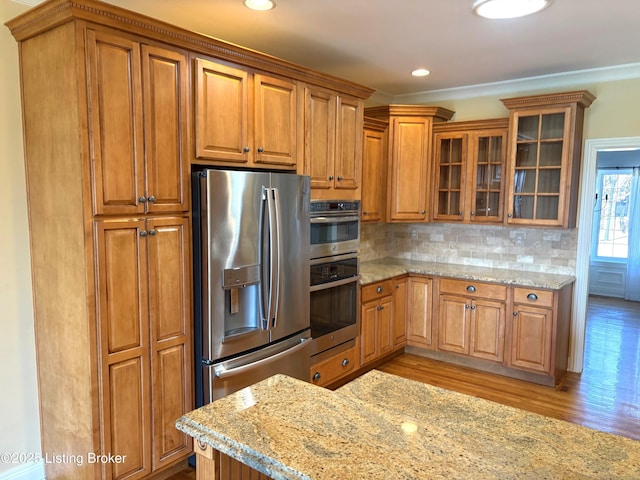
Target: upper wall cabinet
(409, 152)
(333, 144)
(374, 169)
(545, 146)
(138, 165)
(244, 118)
(468, 168)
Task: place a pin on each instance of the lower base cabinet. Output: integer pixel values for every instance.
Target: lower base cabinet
(419, 308)
(332, 367)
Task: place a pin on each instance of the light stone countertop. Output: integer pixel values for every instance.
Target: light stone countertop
(382, 426)
(382, 269)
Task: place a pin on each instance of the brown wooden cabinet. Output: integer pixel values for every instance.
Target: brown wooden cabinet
(410, 132)
(539, 331)
(138, 100)
(400, 304)
(376, 321)
(334, 366)
(468, 167)
(244, 117)
(545, 146)
(333, 144)
(374, 170)
(144, 317)
(471, 318)
(420, 305)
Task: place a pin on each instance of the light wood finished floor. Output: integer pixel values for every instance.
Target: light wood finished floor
(606, 396)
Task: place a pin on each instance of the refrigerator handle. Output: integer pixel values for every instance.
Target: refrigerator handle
(272, 254)
(222, 373)
(265, 288)
(278, 257)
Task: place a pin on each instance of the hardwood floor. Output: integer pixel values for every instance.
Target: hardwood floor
(606, 396)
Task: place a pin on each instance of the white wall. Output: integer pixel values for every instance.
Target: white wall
(19, 418)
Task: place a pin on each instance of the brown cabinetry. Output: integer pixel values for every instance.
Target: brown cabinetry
(144, 317)
(138, 100)
(400, 304)
(376, 321)
(333, 144)
(336, 366)
(545, 145)
(539, 331)
(243, 117)
(469, 160)
(420, 305)
(471, 318)
(374, 170)
(410, 132)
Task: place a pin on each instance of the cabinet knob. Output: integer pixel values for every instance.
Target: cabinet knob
(379, 289)
(246, 149)
(316, 376)
(153, 232)
(515, 314)
(472, 213)
(143, 233)
(142, 199)
(152, 199)
(345, 362)
(532, 296)
(423, 212)
(471, 288)
(459, 212)
(473, 307)
(380, 307)
(466, 306)
(510, 215)
(260, 149)
(330, 177)
(339, 178)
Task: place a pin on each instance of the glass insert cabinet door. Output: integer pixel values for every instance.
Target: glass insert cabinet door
(451, 153)
(486, 200)
(538, 167)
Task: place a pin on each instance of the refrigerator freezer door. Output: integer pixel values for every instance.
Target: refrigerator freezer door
(292, 294)
(290, 357)
(232, 230)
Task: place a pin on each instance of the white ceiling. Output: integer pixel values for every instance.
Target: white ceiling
(378, 43)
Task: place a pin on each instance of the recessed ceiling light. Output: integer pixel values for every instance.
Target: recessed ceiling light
(500, 9)
(259, 4)
(420, 72)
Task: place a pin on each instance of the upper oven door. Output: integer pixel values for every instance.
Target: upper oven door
(334, 235)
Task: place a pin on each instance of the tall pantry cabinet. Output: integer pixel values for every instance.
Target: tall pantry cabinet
(106, 142)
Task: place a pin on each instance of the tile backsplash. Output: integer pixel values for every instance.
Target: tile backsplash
(526, 249)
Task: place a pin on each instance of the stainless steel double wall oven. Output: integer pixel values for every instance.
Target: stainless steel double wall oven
(334, 272)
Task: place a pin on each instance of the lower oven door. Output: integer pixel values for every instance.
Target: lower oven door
(334, 313)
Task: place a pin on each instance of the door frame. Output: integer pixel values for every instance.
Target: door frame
(583, 253)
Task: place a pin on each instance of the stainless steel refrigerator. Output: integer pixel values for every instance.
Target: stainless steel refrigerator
(251, 253)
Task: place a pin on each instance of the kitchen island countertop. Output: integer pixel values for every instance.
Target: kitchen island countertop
(382, 426)
(384, 268)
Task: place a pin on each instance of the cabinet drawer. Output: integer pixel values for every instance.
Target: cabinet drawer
(472, 288)
(333, 368)
(377, 290)
(532, 296)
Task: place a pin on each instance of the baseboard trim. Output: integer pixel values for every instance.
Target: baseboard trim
(27, 471)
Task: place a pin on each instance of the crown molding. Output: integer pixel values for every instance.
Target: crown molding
(508, 87)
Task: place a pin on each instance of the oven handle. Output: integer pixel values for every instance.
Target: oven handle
(336, 219)
(334, 258)
(337, 283)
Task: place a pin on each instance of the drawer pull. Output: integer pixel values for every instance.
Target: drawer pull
(379, 289)
(532, 296)
(515, 314)
(345, 362)
(316, 376)
(471, 288)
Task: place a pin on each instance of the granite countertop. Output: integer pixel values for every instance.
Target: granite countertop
(382, 269)
(382, 426)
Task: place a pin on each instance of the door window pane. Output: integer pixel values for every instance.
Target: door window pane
(613, 212)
